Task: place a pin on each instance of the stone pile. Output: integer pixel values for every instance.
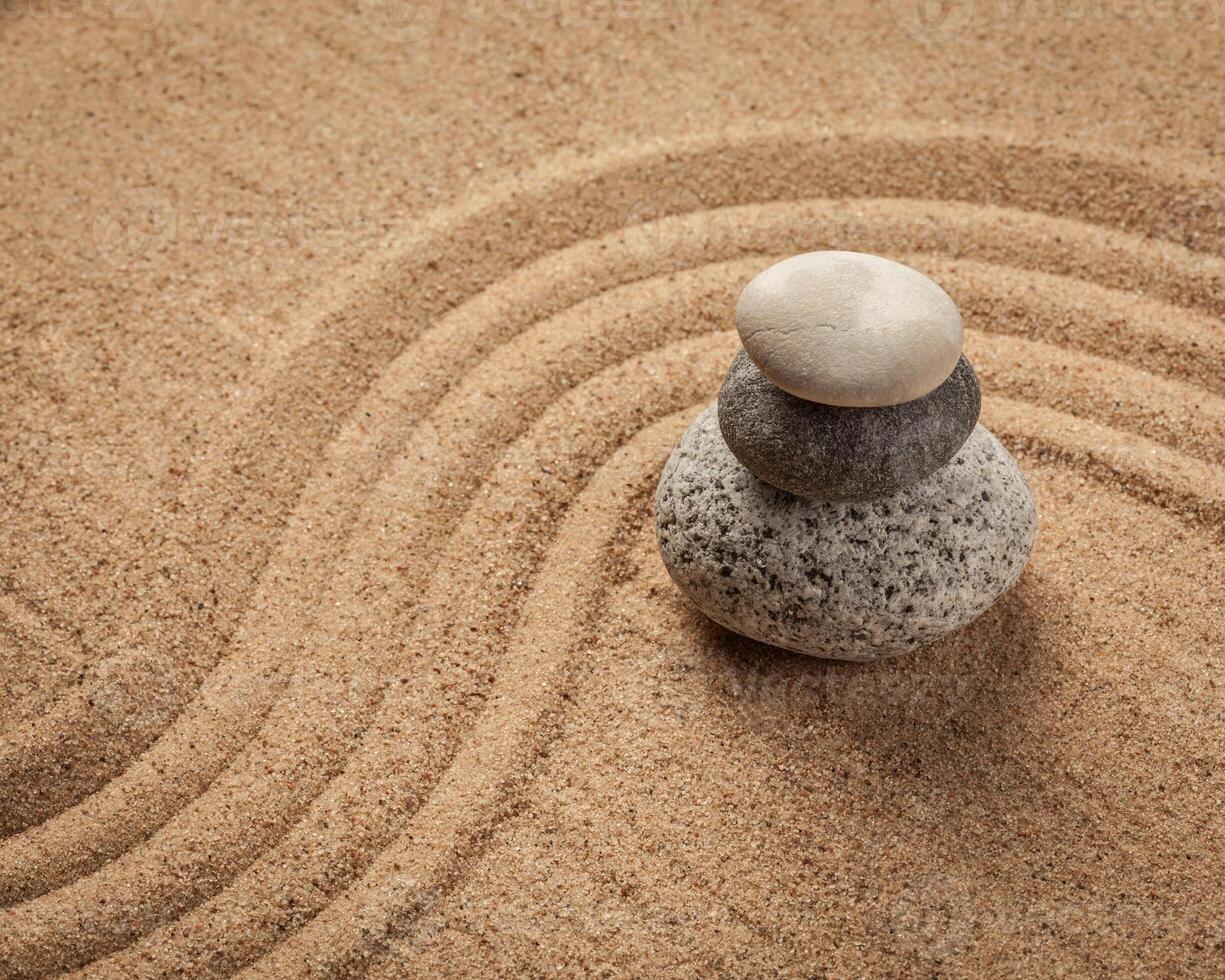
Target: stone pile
(840, 500)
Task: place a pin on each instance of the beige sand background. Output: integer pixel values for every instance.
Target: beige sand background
(342, 346)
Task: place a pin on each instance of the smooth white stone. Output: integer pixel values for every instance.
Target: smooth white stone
(851, 329)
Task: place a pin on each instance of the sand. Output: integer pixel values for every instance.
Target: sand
(341, 355)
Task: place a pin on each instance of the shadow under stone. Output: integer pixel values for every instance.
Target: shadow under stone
(948, 710)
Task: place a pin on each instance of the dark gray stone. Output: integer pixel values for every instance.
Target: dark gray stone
(831, 453)
(852, 581)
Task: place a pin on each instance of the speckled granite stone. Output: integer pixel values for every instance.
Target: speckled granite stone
(844, 580)
(833, 453)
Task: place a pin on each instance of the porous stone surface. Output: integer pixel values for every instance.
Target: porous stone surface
(850, 329)
(834, 453)
(852, 581)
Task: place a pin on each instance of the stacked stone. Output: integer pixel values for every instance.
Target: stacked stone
(841, 500)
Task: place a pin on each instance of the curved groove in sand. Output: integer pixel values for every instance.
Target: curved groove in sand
(362, 339)
(567, 199)
(424, 863)
(1008, 172)
(415, 869)
(443, 435)
(1190, 480)
(1146, 470)
(31, 922)
(1084, 250)
(74, 847)
(71, 734)
(1048, 376)
(71, 844)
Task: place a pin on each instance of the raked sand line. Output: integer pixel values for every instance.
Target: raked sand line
(1146, 470)
(1168, 283)
(1180, 417)
(731, 226)
(55, 849)
(415, 869)
(698, 722)
(425, 372)
(1095, 183)
(371, 937)
(1157, 268)
(1078, 314)
(465, 426)
(425, 862)
(474, 604)
(1083, 250)
(652, 857)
